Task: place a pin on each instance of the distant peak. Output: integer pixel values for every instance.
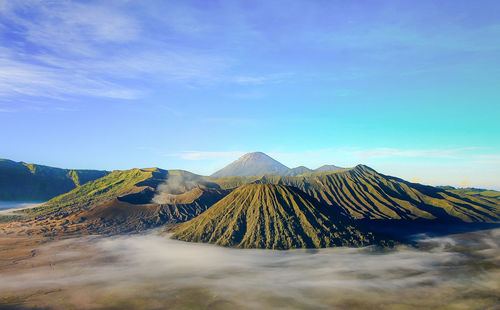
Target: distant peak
(254, 154)
(252, 164)
(327, 168)
(365, 168)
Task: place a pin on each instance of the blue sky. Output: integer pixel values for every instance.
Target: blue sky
(408, 88)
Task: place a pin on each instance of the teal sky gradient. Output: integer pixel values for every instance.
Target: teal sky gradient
(409, 88)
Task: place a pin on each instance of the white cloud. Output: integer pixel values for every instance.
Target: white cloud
(204, 155)
(72, 27)
(250, 79)
(61, 49)
(299, 155)
(200, 155)
(119, 272)
(270, 78)
(34, 80)
(488, 159)
(68, 49)
(430, 153)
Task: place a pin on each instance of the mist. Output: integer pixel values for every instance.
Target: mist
(174, 185)
(151, 271)
(9, 208)
(18, 205)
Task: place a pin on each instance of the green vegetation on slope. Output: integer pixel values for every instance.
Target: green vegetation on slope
(115, 184)
(119, 216)
(29, 182)
(121, 202)
(327, 168)
(487, 193)
(232, 182)
(362, 193)
(297, 171)
(273, 217)
(359, 193)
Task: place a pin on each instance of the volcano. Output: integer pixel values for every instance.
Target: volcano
(251, 164)
(271, 216)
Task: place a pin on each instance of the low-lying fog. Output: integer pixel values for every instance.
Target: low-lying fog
(18, 205)
(154, 272)
(8, 207)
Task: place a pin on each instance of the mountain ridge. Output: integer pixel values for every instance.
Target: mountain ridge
(363, 193)
(137, 199)
(258, 163)
(20, 181)
(272, 216)
(121, 202)
(255, 163)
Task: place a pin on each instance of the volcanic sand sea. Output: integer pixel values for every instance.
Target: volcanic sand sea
(151, 271)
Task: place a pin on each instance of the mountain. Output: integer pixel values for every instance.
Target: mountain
(273, 217)
(126, 183)
(488, 193)
(20, 181)
(119, 216)
(297, 171)
(258, 163)
(363, 193)
(326, 168)
(252, 164)
(122, 202)
(136, 199)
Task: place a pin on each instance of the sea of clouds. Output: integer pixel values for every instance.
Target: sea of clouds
(151, 271)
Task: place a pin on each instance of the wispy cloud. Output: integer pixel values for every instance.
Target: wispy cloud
(52, 51)
(66, 28)
(488, 159)
(269, 78)
(35, 80)
(299, 154)
(201, 155)
(62, 49)
(429, 153)
(65, 49)
(353, 155)
(206, 155)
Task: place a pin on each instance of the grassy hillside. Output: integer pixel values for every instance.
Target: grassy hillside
(115, 184)
(121, 202)
(273, 217)
(362, 193)
(29, 182)
(473, 191)
(119, 216)
(232, 182)
(326, 168)
(297, 171)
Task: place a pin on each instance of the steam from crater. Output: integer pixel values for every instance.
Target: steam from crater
(174, 185)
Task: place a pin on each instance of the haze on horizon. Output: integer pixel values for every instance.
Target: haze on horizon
(408, 89)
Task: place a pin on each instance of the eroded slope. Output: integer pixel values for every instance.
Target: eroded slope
(273, 217)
